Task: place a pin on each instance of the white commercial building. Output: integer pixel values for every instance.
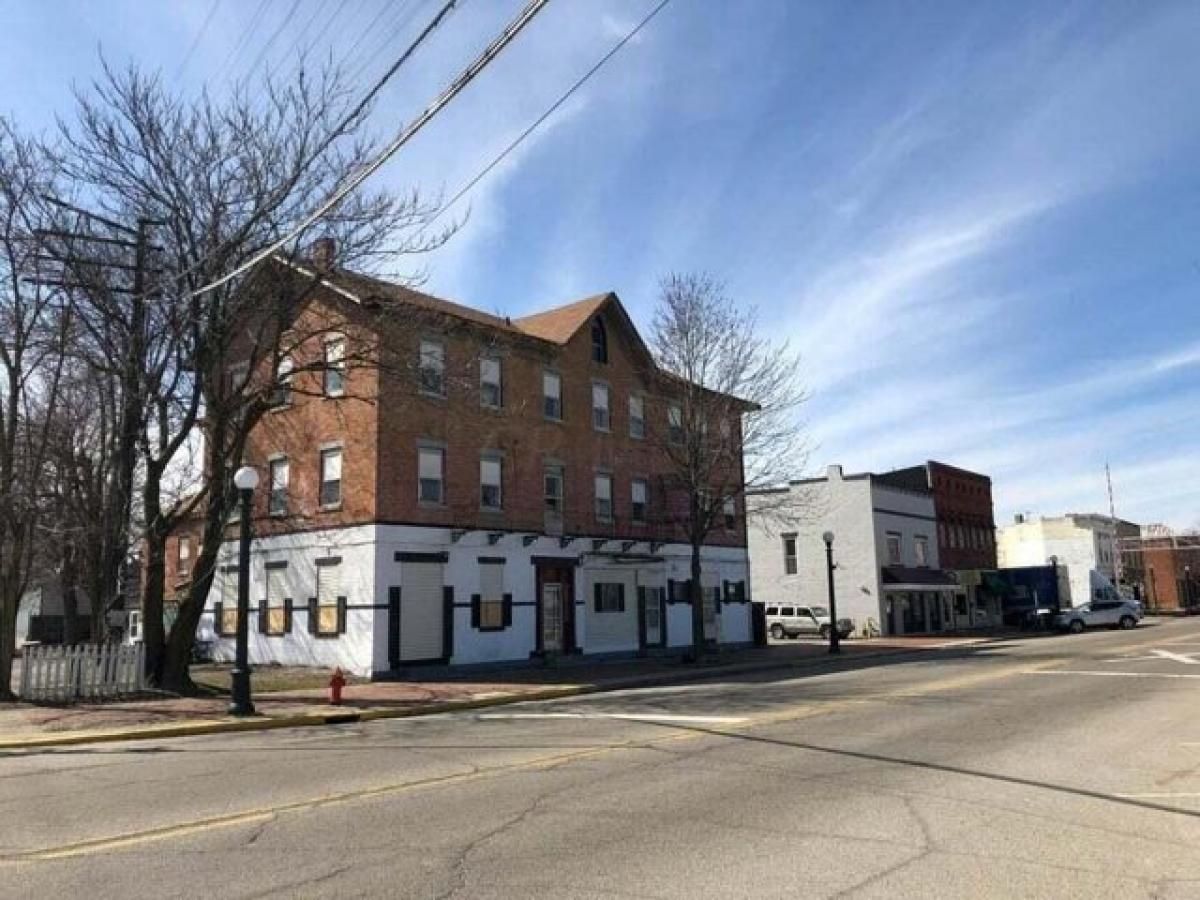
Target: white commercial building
(886, 578)
(1084, 546)
(380, 598)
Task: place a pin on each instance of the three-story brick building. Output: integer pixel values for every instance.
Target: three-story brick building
(493, 489)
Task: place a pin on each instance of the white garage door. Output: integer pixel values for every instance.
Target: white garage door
(612, 611)
(421, 611)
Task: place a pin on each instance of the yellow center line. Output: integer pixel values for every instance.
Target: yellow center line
(254, 816)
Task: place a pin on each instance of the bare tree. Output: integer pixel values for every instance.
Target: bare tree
(214, 182)
(733, 426)
(32, 331)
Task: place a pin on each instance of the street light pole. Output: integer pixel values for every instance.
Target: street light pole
(245, 480)
(834, 637)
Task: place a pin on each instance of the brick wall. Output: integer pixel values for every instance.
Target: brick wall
(385, 417)
(966, 523)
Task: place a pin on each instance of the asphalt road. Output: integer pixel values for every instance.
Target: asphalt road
(1048, 767)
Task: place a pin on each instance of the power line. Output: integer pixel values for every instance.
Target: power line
(187, 56)
(336, 131)
(244, 38)
(500, 157)
(262, 52)
(456, 87)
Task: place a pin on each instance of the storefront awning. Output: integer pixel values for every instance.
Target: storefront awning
(914, 578)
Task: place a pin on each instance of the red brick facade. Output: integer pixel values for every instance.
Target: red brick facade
(1170, 571)
(385, 416)
(962, 503)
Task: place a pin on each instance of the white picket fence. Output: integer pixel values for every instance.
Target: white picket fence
(82, 672)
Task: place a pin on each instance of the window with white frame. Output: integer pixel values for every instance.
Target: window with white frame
(490, 472)
(893, 548)
(277, 499)
(183, 565)
(335, 367)
(490, 391)
(603, 494)
(431, 368)
(921, 549)
(637, 416)
(675, 423)
(552, 405)
(282, 393)
(790, 563)
(552, 491)
(639, 492)
(331, 476)
(601, 415)
(430, 478)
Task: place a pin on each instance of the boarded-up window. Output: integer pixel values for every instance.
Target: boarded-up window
(491, 595)
(229, 602)
(329, 586)
(276, 591)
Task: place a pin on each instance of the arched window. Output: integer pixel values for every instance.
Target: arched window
(599, 341)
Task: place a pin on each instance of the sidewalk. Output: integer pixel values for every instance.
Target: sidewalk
(25, 725)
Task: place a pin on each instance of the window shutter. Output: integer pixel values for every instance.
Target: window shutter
(621, 597)
(507, 610)
(670, 590)
(312, 616)
(394, 627)
(287, 615)
(596, 597)
(641, 615)
(262, 617)
(341, 608)
(218, 608)
(475, 598)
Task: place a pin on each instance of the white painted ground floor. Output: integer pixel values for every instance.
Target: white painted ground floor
(380, 598)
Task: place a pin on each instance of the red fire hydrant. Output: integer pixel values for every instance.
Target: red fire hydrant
(337, 681)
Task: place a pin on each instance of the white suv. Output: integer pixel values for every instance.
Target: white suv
(1110, 613)
(787, 620)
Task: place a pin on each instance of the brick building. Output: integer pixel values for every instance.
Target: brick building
(494, 489)
(1168, 572)
(966, 525)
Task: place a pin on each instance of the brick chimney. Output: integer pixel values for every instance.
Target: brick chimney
(323, 252)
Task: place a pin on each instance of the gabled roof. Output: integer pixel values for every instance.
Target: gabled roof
(557, 325)
(561, 323)
(366, 288)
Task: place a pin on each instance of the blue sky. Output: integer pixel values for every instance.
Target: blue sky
(979, 223)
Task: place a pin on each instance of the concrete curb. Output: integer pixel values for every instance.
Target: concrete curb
(370, 714)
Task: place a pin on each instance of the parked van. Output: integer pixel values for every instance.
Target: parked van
(787, 620)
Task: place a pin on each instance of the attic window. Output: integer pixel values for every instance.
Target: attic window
(599, 341)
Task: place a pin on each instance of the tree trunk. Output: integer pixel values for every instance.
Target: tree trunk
(8, 637)
(177, 659)
(153, 633)
(697, 598)
(69, 584)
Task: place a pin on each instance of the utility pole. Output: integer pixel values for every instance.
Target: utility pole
(92, 271)
(1116, 543)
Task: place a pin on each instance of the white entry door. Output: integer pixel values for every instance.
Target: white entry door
(422, 612)
(654, 614)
